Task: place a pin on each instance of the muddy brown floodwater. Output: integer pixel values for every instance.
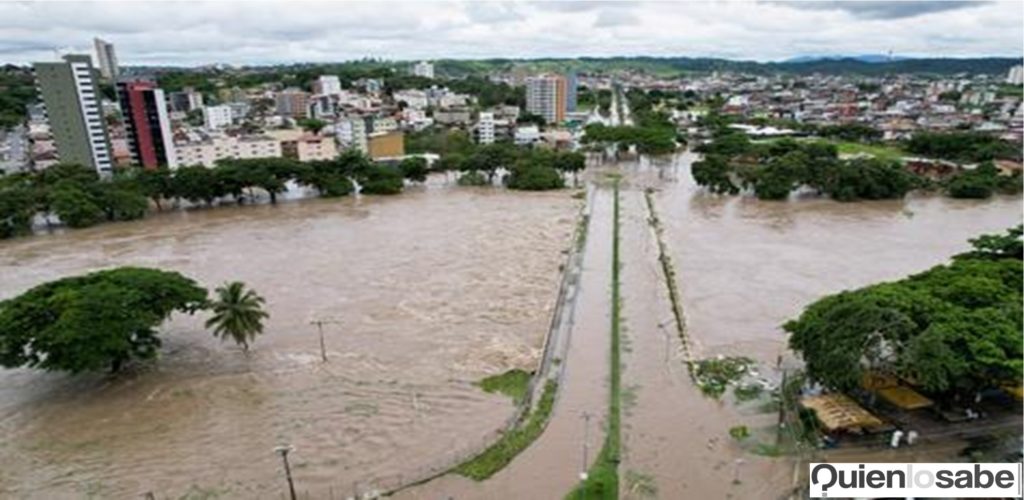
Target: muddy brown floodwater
(744, 266)
(431, 291)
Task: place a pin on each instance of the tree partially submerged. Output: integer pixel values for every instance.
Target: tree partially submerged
(953, 328)
(94, 321)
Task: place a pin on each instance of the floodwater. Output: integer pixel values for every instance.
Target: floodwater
(427, 292)
(550, 466)
(744, 266)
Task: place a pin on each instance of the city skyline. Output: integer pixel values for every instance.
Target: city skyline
(193, 34)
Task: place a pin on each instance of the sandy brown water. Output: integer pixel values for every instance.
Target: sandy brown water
(430, 291)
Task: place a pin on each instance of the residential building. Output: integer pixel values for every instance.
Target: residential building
(1016, 75)
(571, 82)
(217, 117)
(351, 133)
(452, 116)
(292, 102)
(485, 128)
(527, 135)
(71, 97)
(424, 69)
(107, 59)
(186, 100)
(546, 96)
(207, 151)
(327, 85)
(147, 128)
(413, 98)
(386, 145)
(310, 148)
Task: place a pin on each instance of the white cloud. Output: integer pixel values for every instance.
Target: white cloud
(280, 32)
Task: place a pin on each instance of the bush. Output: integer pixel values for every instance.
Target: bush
(380, 179)
(472, 178)
(535, 178)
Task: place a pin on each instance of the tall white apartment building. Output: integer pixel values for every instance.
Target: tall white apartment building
(424, 69)
(1016, 75)
(107, 59)
(546, 96)
(327, 85)
(351, 133)
(217, 117)
(71, 98)
(485, 128)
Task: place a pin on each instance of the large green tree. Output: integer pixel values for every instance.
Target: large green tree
(953, 328)
(94, 321)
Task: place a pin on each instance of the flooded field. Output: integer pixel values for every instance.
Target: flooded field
(428, 292)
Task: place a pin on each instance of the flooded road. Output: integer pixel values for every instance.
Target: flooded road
(429, 292)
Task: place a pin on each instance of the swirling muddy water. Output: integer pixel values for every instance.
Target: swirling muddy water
(429, 292)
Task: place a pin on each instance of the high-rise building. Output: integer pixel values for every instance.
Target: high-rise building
(71, 97)
(186, 100)
(327, 85)
(571, 83)
(485, 128)
(293, 103)
(107, 59)
(546, 95)
(1016, 75)
(424, 69)
(146, 124)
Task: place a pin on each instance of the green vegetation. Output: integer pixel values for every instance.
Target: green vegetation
(652, 133)
(669, 273)
(473, 178)
(17, 90)
(982, 182)
(952, 329)
(513, 383)
(747, 392)
(966, 147)
(94, 321)
(603, 477)
(513, 442)
(80, 198)
(713, 376)
(237, 313)
(739, 432)
(887, 152)
(774, 169)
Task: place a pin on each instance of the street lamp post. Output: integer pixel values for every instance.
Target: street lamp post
(283, 451)
(320, 328)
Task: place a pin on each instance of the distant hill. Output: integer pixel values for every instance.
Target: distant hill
(868, 58)
(868, 65)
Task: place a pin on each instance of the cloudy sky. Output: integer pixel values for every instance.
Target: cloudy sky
(196, 33)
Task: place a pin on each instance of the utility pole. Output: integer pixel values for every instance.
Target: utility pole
(586, 445)
(320, 328)
(283, 451)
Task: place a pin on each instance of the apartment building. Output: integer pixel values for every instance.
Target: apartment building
(107, 59)
(71, 98)
(217, 117)
(147, 127)
(207, 151)
(546, 95)
(310, 148)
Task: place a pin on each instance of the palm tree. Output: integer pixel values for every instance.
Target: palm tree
(237, 313)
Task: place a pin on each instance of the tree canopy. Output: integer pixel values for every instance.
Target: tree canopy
(94, 321)
(953, 328)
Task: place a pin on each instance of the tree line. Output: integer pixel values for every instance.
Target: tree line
(105, 319)
(652, 132)
(733, 164)
(80, 198)
(953, 329)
